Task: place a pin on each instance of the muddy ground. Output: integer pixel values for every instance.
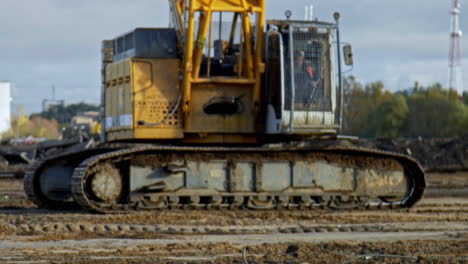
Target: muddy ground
(435, 231)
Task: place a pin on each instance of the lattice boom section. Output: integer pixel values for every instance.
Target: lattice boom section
(158, 112)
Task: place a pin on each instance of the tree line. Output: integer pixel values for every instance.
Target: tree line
(372, 111)
(46, 124)
(65, 113)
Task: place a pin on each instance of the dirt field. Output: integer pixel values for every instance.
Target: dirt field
(435, 231)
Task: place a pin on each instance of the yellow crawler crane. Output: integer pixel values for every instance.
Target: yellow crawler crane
(224, 110)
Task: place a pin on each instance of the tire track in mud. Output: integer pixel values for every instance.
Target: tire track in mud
(138, 229)
(267, 249)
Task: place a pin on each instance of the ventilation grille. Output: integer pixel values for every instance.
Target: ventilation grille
(154, 112)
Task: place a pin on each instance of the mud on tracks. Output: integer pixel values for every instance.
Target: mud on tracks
(434, 231)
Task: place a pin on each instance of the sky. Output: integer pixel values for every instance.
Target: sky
(47, 43)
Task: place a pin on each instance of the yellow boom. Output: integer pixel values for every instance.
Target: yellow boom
(250, 66)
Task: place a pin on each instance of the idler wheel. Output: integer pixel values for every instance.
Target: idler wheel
(106, 184)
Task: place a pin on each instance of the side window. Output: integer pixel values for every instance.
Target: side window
(308, 69)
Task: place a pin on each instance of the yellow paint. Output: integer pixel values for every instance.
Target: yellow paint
(198, 90)
(199, 122)
(144, 90)
(147, 89)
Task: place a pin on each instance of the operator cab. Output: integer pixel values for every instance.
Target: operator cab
(301, 80)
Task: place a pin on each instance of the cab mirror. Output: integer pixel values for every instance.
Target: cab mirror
(348, 55)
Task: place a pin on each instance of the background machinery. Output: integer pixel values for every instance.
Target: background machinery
(224, 110)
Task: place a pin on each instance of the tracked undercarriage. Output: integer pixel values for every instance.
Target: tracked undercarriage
(148, 177)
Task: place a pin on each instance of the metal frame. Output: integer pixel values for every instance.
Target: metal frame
(283, 86)
(106, 46)
(298, 23)
(293, 84)
(194, 43)
(340, 79)
(291, 25)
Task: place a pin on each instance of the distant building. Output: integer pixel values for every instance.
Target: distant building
(47, 104)
(5, 106)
